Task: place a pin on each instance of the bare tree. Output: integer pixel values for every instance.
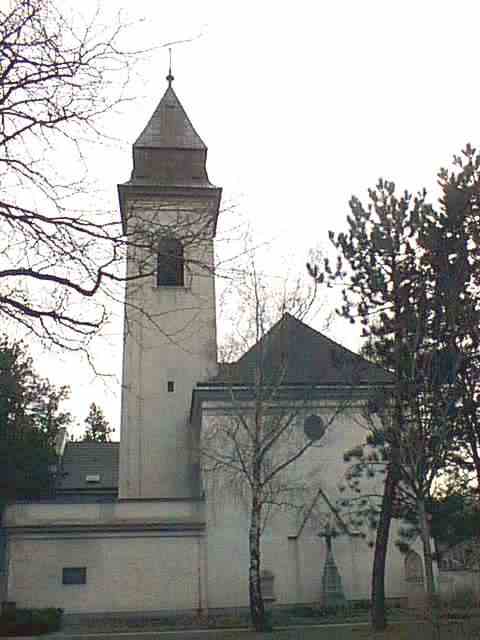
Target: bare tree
(58, 77)
(250, 452)
(63, 255)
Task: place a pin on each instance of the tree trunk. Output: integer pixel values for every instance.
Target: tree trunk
(427, 558)
(3, 556)
(257, 607)
(378, 617)
(476, 458)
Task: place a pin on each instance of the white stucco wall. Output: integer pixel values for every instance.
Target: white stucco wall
(170, 335)
(124, 573)
(139, 555)
(137, 558)
(297, 563)
(111, 514)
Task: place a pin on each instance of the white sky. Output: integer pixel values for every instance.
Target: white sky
(301, 105)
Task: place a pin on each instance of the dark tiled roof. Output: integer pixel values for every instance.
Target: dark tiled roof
(293, 353)
(169, 127)
(82, 459)
(169, 152)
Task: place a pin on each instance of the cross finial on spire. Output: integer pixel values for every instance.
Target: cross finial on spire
(170, 77)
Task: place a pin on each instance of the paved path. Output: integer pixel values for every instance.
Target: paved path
(205, 634)
(319, 632)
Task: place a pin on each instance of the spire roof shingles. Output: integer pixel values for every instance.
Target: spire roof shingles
(169, 127)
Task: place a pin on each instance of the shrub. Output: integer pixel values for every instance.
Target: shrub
(303, 611)
(360, 605)
(29, 622)
(462, 599)
(349, 609)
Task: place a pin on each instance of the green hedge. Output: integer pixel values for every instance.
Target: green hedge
(30, 622)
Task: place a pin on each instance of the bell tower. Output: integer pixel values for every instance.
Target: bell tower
(169, 213)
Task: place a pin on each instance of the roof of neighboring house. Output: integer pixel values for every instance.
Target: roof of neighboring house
(292, 353)
(83, 462)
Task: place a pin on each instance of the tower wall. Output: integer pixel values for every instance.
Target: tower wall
(170, 336)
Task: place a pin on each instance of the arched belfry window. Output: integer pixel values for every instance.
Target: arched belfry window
(170, 263)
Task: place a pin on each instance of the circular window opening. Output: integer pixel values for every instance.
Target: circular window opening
(314, 427)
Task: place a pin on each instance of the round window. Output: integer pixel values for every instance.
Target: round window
(314, 427)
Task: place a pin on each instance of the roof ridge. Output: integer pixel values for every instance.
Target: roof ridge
(335, 344)
(186, 116)
(321, 358)
(268, 332)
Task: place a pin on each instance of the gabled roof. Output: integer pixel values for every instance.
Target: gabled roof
(292, 353)
(169, 127)
(82, 459)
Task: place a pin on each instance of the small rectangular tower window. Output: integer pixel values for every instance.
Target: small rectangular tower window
(74, 575)
(170, 263)
(170, 386)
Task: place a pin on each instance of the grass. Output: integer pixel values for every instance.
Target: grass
(402, 631)
(306, 622)
(358, 611)
(405, 632)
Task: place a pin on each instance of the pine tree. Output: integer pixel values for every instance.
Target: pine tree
(30, 417)
(98, 428)
(410, 274)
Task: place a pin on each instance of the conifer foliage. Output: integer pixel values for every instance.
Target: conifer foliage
(98, 428)
(410, 272)
(30, 419)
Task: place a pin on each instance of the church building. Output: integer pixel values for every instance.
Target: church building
(133, 526)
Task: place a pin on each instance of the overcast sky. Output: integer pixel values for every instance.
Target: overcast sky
(301, 105)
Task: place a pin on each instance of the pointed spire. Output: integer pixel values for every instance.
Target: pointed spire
(170, 77)
(168, 155)
(169, 150)
(169, 126)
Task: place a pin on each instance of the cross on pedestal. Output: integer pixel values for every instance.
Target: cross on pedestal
(332, 590)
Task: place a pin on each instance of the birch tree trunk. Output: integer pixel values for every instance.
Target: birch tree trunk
(257, 608)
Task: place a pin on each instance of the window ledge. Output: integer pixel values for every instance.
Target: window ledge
(175, 287)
